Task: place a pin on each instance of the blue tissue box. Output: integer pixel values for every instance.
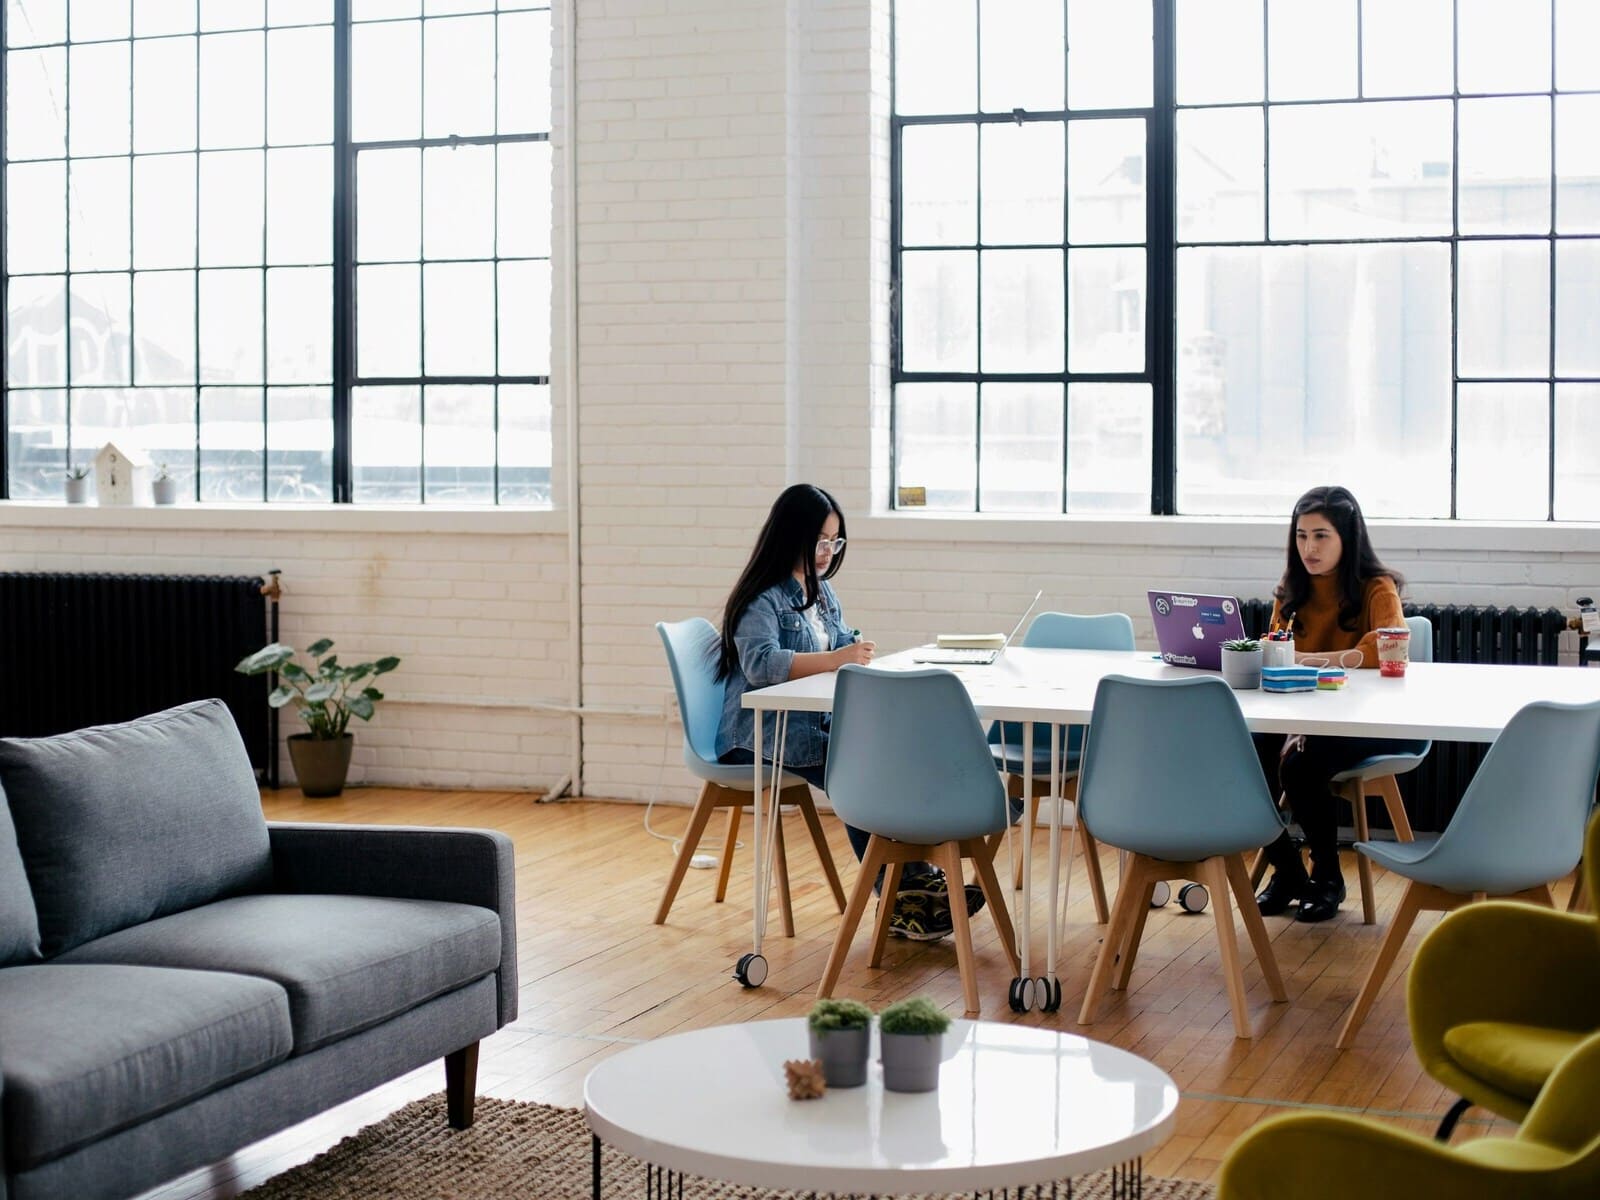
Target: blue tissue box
(1289, 679)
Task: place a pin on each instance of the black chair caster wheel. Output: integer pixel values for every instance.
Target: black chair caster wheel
(1160, 894)
(751, 970)
(1194, 897)
(1049, 995)
(1020, 997)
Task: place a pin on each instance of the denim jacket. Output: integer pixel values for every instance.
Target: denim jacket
(769, 634)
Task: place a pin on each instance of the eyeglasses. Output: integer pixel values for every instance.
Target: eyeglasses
(824, 546)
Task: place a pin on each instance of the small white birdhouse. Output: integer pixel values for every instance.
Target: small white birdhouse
(121, 477)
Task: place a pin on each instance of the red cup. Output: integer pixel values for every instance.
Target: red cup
(1394, 651)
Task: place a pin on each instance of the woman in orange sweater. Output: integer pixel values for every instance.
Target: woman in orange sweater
(1334, 595)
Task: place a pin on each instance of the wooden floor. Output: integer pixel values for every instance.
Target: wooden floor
(596, 976)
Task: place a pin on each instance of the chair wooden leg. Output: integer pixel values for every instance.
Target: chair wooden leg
(1233, 866)
(1097, 879)
(1577, 901)
(949, 856)
(730, 843)
(1389, 789)
(780, 865)
(981, 852)
(1130, 894)
(886, 894)
(1416, 896)
(870, 863)
(1228, 943)
(709, 795)
(819, 839)
(461, 1085)
(1030, 818)
(1258, 869)
(1356, 794)
(1130, 950)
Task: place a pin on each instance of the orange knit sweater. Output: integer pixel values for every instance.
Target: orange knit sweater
(1316, 625)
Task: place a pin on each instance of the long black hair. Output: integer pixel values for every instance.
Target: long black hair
(788, 537)
(1358, 561)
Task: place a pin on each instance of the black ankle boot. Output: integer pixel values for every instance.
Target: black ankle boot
(1281, 891)
(1321, 900)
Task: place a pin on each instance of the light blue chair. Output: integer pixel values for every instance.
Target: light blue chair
(1170, 775)
(691, 653)
(908, 763)
(1059, 631)
(1519, 826)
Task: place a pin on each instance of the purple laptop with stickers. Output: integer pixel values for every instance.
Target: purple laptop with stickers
(1190, 628)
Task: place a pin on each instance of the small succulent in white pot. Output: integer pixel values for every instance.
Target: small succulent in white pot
(1241, 663)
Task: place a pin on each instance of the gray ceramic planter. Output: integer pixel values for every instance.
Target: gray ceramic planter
(843, 1055)
(911, 1061)
(1242, 668)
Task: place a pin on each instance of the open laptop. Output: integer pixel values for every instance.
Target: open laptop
(1190, 628)
(970, 656)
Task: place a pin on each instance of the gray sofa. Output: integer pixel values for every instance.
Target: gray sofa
(178, 978)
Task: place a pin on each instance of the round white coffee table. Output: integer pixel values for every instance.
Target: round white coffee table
(1016, 1106)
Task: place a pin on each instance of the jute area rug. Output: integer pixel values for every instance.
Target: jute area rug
(532, 1151)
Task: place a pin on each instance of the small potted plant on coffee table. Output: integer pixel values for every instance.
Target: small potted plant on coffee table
(840, 1031)
(1241, 663)
(911, 1036)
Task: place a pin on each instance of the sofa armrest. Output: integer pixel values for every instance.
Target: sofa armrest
(466, 866)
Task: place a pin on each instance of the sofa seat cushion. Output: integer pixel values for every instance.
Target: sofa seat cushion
(87, 1050)
(1514, 1058)
(347, 962)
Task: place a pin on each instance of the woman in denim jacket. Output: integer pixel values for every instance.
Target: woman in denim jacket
(783, 622)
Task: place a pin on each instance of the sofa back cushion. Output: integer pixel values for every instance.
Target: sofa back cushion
(19, 921)
(121, 823)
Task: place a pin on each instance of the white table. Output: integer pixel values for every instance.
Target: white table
(1016, 1106)
(1463, 702)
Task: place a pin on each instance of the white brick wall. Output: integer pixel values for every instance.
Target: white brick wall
(731, 275)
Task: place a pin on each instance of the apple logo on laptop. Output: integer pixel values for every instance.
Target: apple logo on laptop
(1199, 632)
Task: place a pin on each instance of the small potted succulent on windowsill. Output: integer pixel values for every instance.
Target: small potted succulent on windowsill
(1241, 663)
(840, 1031)
(324, 700)
(78, 485)
(911, 1037)
(164, 487)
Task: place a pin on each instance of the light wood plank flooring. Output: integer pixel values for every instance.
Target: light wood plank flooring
(596, 976)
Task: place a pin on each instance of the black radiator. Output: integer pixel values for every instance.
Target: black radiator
(1460, 634)
(92, 649)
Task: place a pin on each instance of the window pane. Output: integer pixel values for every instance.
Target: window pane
(1107, 189)
(158, 422)
(524, 318)
(1503, 451)
(386, 81)
(230, 326)
(1219, 51)
(1408, 49)
(1503, 303)
(163, 211)
(1111, 55)
(1106, 310)
(1021, 465)
(1505, 166)
(99, 98)
(1022, 318)
(153, 17)
(458, 202)
(36, 104)
(232, 90)
(35, 22)
(1577, 164)
(97, 203)
(36, 229)
(458, 85)
(1333, 358)
(300, 205)
(1504, 47)
(1311, 49)
(524, 444)
(523, 73)
(1024, 47)
(231, 14)
(458, 445)
(300, 444)
(36, 332)
(1221, 166)
(300, 85)
(1360, 170)
(386, 444)
(96, 20)
(1578, 309)
(1577, 35)
(377, 10)
(299, 12)
(458, 318)
(935, 425)
(524, 207)
(935, 64)
(163, 323)
(36, 451)
(231, 207)
(232, 445)
(939, 185)
(1577, 465)
(1023, 181)
(164, 105)
(388, 312)
(1109, 448)
(300, 325)
(98, 307)
(938, 310)
(388, 205)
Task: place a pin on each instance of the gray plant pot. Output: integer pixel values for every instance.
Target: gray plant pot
(1241, 669)
(77, 490)
(843, 1055)
(911, 1061)
(320, 764)
(164, 491)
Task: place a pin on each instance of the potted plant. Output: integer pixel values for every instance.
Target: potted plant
(1241, 663)
(910, 1035)
(840, 1031)
(77, 485)
(164, 487)
(325, 702)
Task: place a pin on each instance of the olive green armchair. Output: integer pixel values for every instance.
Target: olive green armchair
(1326, 1156)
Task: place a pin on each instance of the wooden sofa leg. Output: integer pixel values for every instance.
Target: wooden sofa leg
(461, 1085)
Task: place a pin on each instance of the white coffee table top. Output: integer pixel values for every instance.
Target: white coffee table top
(1016, 1105)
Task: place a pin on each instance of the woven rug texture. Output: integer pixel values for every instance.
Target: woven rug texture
(534, 1152)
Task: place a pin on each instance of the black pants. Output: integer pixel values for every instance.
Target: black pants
(1305, 776)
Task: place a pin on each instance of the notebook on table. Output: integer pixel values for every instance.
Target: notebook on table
(970, 655)
(1191, 627)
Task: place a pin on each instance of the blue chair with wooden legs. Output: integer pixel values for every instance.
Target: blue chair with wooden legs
(909, 765)
(691, 649)
(1520, 825)
(1059, 631)
(1170, 775)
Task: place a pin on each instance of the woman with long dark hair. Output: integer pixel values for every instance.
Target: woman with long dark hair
(1334, 595)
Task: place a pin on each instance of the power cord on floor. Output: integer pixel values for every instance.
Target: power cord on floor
(704, 862)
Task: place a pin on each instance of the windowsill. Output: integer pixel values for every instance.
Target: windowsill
(306, 518)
